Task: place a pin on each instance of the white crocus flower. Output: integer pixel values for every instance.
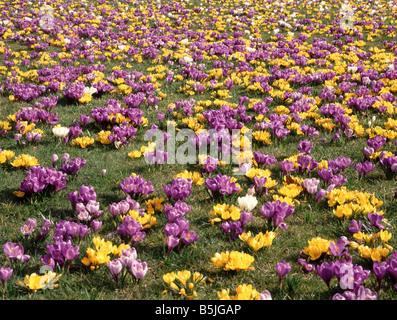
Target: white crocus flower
(90, 90)
(60, 132)
(247, 203)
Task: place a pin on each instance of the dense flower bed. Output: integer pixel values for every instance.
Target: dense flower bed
(278, 89)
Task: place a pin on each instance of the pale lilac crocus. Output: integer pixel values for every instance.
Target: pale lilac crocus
(5, 274)
(311, 185)
(115, 268)
(139, 269)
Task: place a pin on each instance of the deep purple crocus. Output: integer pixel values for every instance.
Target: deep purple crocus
(326, 272)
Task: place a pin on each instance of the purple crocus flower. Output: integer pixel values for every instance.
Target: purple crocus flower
(72, 166)
(29, 226)
(376, 218)
(287, 167)
(179, 189)
(381, 269)
(115, 268)
(354, 227)
(307, 267)
(96, 225)
(339, 248)
(366, 294)
(188, 236)
(222, 185)
(283, 268)
(15, 251)
(326, 272)
(172, 242)
(130, 230)
(45, 229)
(5, 274)
(305, 146)
(136, 186)
(364, 168)
(128, 256)
(139, 269)
(232, 228)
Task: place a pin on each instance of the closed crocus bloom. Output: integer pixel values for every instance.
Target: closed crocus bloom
(326, 271)
(5, 274)
(380, 269)
(54, 159)
(172, 242)
(96, 225)
(311, 185)
(114, 209)
(115, 267)
(247, 202)
(282, 268)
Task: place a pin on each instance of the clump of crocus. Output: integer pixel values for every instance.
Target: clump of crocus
(232, 261)
(25, 160)
(41, 179)
(28, 228)
(136, 186)
(222, 185)
(178, 189)
(127, 263)
(276, 212)
(261, 240)
(122, 207)
(130, 230)
(72, 166)
(84, 203)
(317, 248)
(103, 252)
(364, 168)
(178, 233)
(36, 282)
(184, 283)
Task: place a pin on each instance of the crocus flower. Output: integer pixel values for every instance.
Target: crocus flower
(139, 269)
(15, 251)
(29, 226)
(179, 189)
(283, 268)
(311, 185)
(381, 269)
(364, 168)
(115, 268)
(354, 227)
(247, 202)
(375, 218)
(172, 242)
(326, 272)
(5, 274)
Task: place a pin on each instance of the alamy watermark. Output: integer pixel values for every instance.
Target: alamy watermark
(46, 21)
(185, 146)
(347, 20)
